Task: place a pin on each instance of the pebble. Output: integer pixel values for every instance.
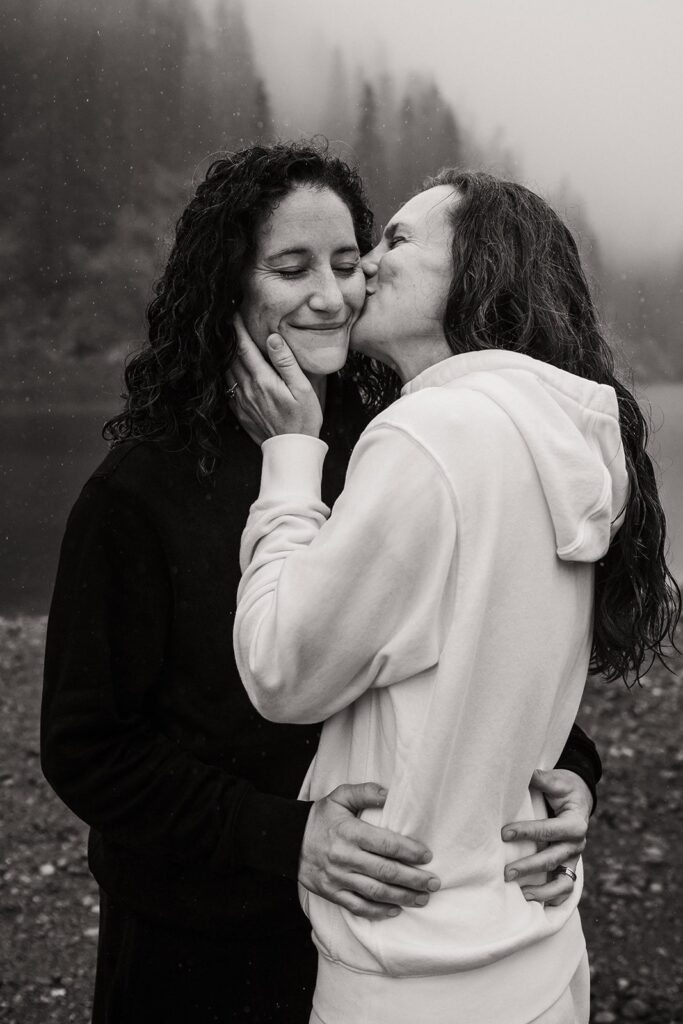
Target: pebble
(47, 869)
(91, 933)
(605, 1017)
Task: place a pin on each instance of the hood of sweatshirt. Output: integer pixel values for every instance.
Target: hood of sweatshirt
(571, 429)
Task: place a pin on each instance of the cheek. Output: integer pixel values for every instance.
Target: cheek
(264, 307)
(354, 292)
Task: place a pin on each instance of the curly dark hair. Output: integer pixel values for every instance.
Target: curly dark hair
(518, 284)
(175, 385)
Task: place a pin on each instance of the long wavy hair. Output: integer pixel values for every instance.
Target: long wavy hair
(518, 284)
(175, 384)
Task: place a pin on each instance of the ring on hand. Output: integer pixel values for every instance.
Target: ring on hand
(562, 869)
(231, 391)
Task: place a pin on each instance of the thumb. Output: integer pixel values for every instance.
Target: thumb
(283, 360)
(548, 782)
(359, 796)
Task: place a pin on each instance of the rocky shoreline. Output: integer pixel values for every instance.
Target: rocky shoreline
(634, 886)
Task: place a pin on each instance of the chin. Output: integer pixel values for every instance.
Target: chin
(321, 363)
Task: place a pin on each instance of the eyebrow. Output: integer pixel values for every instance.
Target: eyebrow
(393, 229)
(303, 251)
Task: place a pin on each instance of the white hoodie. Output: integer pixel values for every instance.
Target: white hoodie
(440, 619)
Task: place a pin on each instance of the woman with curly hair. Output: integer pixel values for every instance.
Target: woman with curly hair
(499, 532)
(197, 838)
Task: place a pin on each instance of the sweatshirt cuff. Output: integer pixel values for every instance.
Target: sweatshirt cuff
(269, 832)
(583, 766)
(292, 466)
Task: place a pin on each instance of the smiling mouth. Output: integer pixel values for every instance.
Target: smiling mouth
(321, 327)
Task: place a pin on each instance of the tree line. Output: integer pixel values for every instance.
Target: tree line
(109, 111)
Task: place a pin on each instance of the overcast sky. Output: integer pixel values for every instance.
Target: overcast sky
(586, 92)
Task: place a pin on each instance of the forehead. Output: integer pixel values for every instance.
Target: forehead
(429, 211)
(308, 217)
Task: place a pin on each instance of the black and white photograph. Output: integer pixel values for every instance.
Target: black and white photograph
(341, 450)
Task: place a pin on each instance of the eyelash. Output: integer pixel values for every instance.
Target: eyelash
(395, 240)
(346, 271)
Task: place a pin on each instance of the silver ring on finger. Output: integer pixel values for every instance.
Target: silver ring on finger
(562, 869)
(231, 391)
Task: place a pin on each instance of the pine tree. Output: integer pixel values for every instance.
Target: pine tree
(408, 168)
(196, 116)
(234, 91)
(337, 116)
(371, 151)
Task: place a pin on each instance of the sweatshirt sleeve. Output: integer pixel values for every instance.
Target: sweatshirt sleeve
(329, 606)
(102, 749)
(580, 755)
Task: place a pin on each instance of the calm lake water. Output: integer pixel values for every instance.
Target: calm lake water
(45, 457)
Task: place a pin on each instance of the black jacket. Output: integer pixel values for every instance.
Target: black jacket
(147, 732)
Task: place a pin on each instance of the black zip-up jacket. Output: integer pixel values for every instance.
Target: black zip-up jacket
(147, 732)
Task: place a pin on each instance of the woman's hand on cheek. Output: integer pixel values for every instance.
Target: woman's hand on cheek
(271, 398)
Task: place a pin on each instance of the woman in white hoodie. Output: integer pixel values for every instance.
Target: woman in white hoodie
(499, 532)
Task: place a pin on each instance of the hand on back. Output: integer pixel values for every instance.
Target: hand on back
(565, 835)
(368, 870)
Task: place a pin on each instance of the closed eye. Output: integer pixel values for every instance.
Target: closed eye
(395, 240)
(346, 269)
(291, 272)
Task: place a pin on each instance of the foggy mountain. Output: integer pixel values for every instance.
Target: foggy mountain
(110, 113)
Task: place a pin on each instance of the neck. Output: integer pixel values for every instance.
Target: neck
(408, 362)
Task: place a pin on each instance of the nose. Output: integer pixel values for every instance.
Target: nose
(370, 263)
(327, 297)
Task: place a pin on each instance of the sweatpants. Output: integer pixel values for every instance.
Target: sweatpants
(573, 1006)
(148, 973)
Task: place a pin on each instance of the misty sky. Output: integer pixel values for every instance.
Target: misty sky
(587, 93)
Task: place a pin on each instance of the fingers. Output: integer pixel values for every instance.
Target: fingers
(569, 827)
(546, 860)
(553, 783)
(554, 892)
(391, 845)
(282, 359)
(349, 868)
(367, 869)
(359, 796)
(564, 790)
(250, 364)
(247, 350)
(378, 892)
(373, 839)
(393, 874)
(365, 908)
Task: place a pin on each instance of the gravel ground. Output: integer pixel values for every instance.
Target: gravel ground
(632, 907)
